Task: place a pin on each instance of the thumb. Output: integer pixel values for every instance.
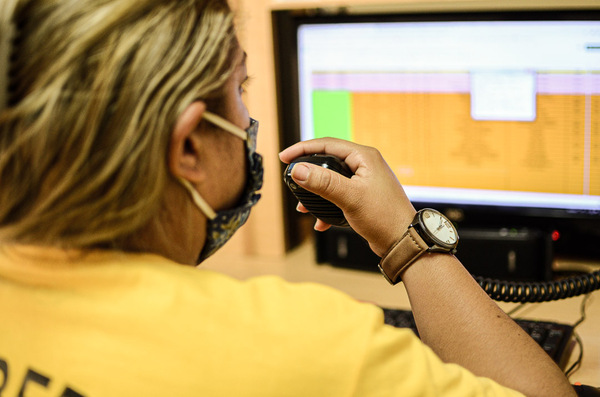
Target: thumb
(322, 181)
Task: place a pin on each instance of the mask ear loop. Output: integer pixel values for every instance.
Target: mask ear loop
(198, 200)
(226, 125)
(229, 127)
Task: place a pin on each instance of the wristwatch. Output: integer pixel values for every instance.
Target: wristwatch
(430, 231)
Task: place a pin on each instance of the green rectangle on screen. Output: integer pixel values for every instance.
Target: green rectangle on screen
(332, 114)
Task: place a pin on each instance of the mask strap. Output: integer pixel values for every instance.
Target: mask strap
(229, 127)
(198, 200)
(226, 125)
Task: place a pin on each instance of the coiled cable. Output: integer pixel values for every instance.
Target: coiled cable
(539, 291)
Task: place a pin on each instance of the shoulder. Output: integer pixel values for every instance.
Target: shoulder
(264, 298)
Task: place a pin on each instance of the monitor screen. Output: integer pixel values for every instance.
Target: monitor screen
(491, 112)
(494, 112)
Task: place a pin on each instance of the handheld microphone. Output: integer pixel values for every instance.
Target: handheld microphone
(318, 206)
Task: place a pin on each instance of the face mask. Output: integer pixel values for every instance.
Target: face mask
(223, 224)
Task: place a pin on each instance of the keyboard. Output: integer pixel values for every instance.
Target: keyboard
(555, 338)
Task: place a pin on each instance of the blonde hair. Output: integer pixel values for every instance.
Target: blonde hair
(95, 87)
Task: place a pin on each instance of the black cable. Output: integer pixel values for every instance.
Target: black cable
(539, 291)
(514, 310)
(577, 364)
(582, 309)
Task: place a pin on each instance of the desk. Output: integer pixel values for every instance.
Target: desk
(299, 265)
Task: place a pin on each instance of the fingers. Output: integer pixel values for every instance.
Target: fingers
(301, 208)
(323, 182)
(320, 226)
(373, 201)
(337, 147)
(325, 145)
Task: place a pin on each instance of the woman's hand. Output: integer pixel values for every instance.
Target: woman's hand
(373, 201)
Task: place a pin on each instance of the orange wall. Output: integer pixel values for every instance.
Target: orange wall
(263, 234)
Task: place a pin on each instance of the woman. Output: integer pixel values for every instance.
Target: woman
(126, 153)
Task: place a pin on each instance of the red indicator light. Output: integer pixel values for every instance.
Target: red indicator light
(555, 235)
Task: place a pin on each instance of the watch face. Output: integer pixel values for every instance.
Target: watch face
(439, 228)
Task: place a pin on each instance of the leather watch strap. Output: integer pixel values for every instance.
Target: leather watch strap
(401, 255)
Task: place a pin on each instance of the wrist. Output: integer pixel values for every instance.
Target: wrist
(432, 264)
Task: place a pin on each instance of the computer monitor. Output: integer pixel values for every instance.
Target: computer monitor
(492, 117)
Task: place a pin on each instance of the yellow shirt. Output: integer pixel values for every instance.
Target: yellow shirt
(115, 324)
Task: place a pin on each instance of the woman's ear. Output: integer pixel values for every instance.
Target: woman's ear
(184, 146)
